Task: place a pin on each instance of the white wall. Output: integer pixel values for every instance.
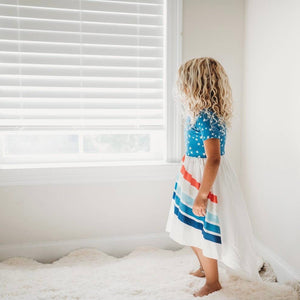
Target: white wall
(215, 28)
(50, 212)
(270, 162)
(79, 211)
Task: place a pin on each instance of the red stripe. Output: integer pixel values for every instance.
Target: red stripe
(183, 158)
(187, 176)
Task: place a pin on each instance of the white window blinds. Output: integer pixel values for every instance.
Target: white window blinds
(82, 64)
(82, 80)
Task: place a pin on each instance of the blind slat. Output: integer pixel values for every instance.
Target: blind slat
(71, 81)
(58, 70)
(97, 103)
(87, 27)
(86, 49)
(103, 6)
(69, 113)
(94, 60)
(67, 37)
(72, 17)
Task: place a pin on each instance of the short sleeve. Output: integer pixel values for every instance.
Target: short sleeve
(209, 125)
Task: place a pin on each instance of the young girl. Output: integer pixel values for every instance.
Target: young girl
(208, 211)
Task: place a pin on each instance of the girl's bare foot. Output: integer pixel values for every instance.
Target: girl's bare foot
(207, 289)
(198, 273)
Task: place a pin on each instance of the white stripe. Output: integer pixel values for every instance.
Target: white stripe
(191, 217)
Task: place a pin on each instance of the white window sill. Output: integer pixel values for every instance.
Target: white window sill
(87, 173)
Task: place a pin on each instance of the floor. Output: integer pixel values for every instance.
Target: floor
(146, 273)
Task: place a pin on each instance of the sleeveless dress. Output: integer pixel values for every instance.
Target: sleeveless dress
(225, 232)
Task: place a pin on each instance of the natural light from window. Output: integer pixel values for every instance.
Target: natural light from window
(82, 81)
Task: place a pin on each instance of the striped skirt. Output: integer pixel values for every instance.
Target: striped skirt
(225, 232)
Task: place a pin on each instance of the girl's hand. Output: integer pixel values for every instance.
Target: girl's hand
(200, 204)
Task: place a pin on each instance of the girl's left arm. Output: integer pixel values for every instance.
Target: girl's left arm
(212, 150)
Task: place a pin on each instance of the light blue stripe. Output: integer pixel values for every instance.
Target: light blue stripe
(190, 201)
(185, 209)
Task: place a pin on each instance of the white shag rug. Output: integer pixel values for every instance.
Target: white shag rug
(147, 273)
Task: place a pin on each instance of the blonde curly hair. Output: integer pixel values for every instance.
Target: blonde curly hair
(203, 84)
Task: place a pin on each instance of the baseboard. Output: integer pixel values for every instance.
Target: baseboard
(118, 246)
(283, 270)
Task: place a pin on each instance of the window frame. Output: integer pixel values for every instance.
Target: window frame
(72, 172)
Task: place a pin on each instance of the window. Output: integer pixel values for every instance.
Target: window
(88, 81)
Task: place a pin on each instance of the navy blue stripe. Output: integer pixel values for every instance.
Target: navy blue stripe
(189, 201)
(193, 223)
(189, 211)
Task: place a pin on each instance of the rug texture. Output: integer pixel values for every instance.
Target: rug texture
(147, 273)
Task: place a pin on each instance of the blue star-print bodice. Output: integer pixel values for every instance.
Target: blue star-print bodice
(205, 127)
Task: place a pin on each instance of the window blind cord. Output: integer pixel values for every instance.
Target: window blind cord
(138, 69)
(20, 92)
(82, 122)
